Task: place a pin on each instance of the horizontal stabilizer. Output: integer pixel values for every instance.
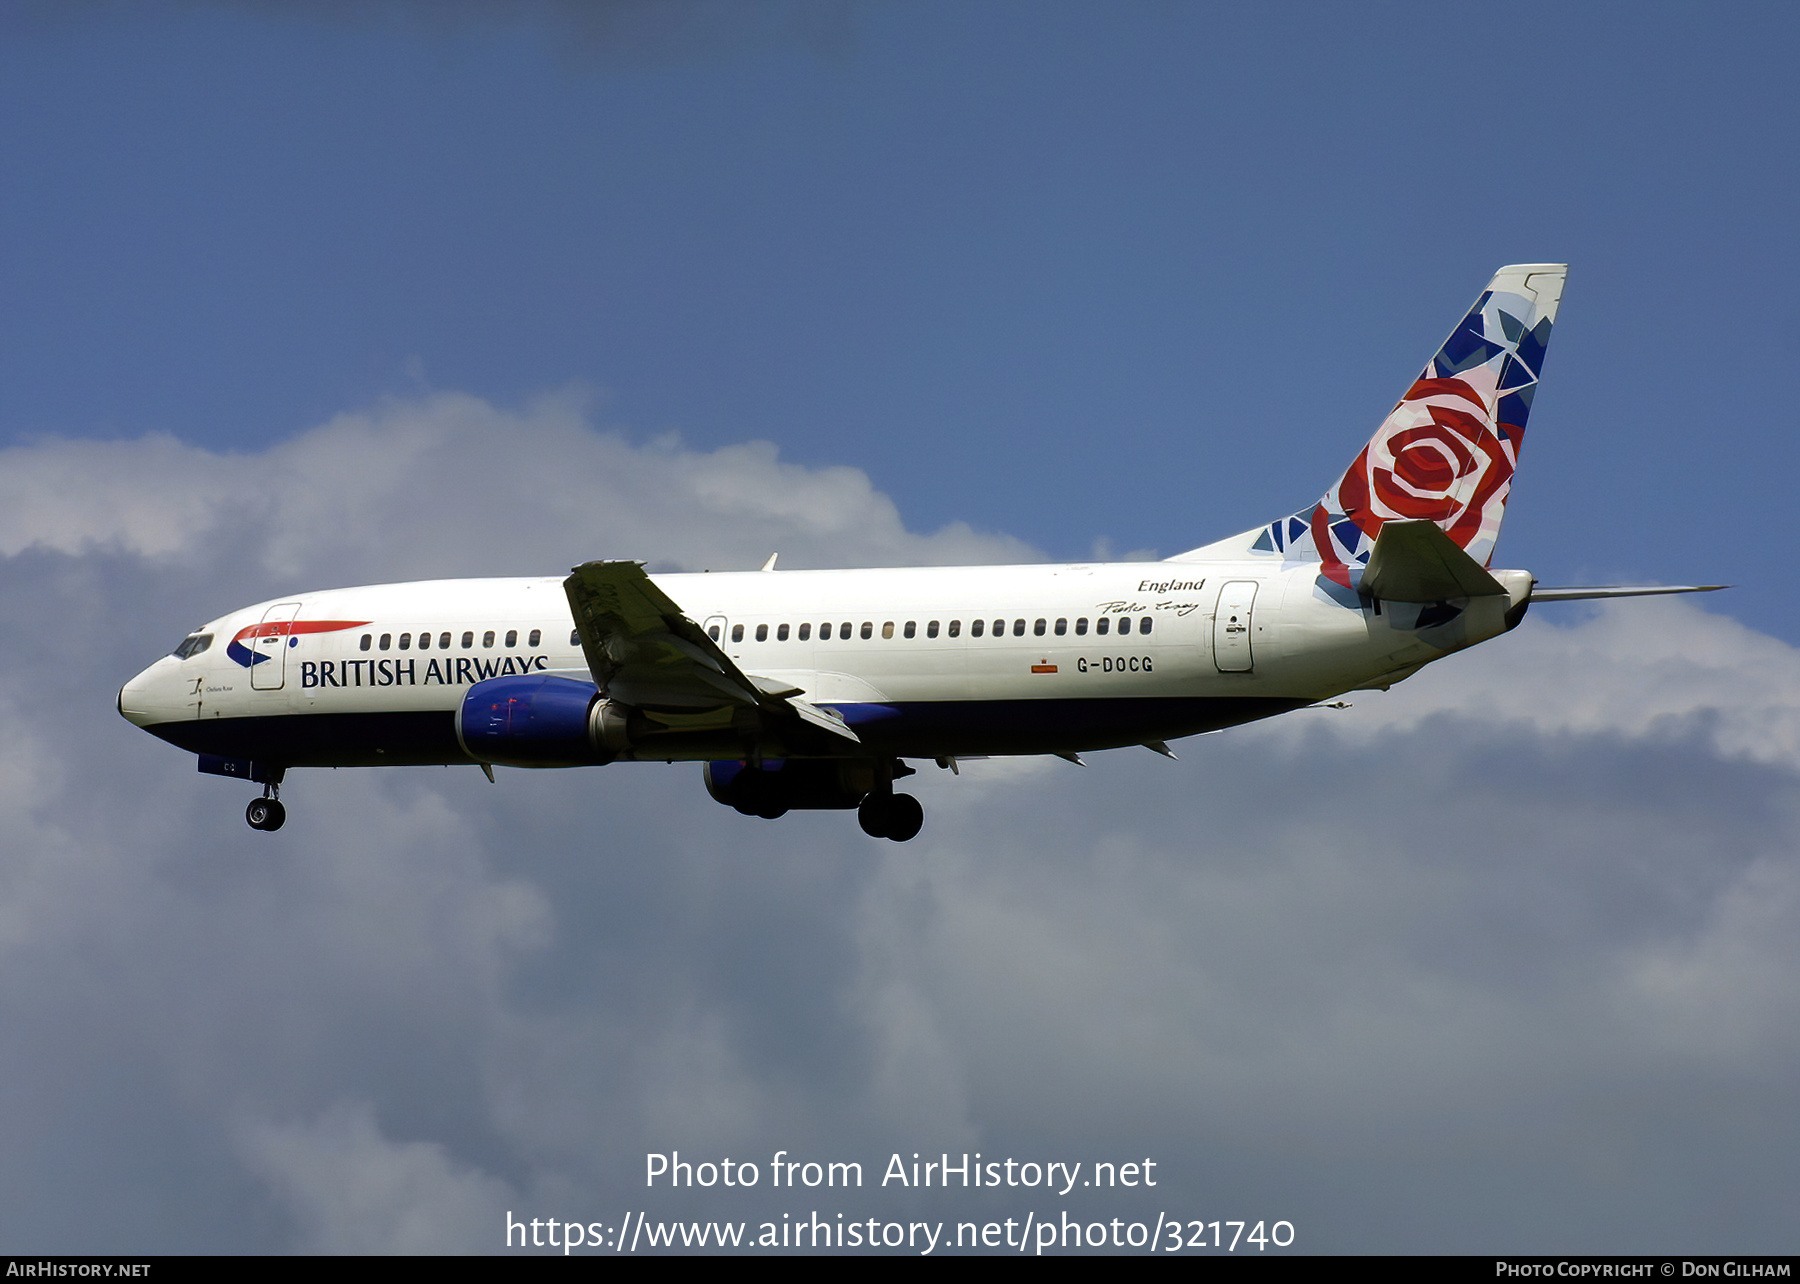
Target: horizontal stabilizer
(1540, 593)
(1417, 562)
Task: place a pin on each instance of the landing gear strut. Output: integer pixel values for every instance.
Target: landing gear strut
(267, 813)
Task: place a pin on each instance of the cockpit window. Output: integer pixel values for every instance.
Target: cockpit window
(191, 645)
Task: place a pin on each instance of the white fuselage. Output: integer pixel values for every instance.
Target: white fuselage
(924, 662)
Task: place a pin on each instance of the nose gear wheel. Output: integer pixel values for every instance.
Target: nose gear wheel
(267, 813)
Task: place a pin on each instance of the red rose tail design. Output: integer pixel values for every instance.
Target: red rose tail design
(1447, 452)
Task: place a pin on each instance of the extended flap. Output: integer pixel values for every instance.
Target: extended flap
(825, 719)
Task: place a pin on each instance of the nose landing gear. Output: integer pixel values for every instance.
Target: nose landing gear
(266, 813)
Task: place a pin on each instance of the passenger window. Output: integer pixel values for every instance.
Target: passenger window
(931, 629)
(424, 641)
(468, 638)
(912, 628)
(868, 630)
(737, 633)
(405, 641)
(1062, 627)
(999, 628)
(955, 627)
(1144, 625)
(387, 640)
(805, 632)
(887, 630)
(487, 639)
(367, 641)
(713, 633)
(844, 631)
(1037, 630)
(536, 637)
(512, 637)
(574, 637)
(1018, 628)
(976, 628)
(1081, 627)
(444, 642)
(825, 631)
(1100, 626)
(781, 633)
(762, 633)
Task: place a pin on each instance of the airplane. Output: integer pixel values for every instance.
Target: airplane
(805, 690)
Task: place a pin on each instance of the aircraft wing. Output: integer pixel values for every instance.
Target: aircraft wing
(643, 651)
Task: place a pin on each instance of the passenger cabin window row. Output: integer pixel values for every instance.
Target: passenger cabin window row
(782, 632)
(977, 628)
(386, 641)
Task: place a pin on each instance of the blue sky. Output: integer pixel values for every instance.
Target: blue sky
(1146, 273)
(305, 294)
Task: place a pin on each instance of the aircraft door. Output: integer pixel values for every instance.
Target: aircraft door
(1231, 627)
(715, 628)
(268, 671)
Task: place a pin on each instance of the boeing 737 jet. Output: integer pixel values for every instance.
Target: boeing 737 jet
(817, 689)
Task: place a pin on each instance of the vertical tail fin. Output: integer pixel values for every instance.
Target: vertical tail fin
(1447, 451)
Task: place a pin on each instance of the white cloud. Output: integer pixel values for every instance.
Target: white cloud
(1635, 668)
(351, 1190)
(1472, 945)
(451, 485)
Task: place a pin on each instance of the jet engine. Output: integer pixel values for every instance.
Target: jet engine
(539, 720)
(824, 784)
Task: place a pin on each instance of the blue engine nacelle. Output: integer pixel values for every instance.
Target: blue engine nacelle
(539, 720)
(827, 784)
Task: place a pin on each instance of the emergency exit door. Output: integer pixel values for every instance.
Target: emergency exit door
(1231, 627)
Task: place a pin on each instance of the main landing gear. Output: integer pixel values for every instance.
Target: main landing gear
(890, 815)
(266, 813)
(771, 789)
(886, 814)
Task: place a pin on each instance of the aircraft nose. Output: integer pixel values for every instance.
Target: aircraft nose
(138, 704)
